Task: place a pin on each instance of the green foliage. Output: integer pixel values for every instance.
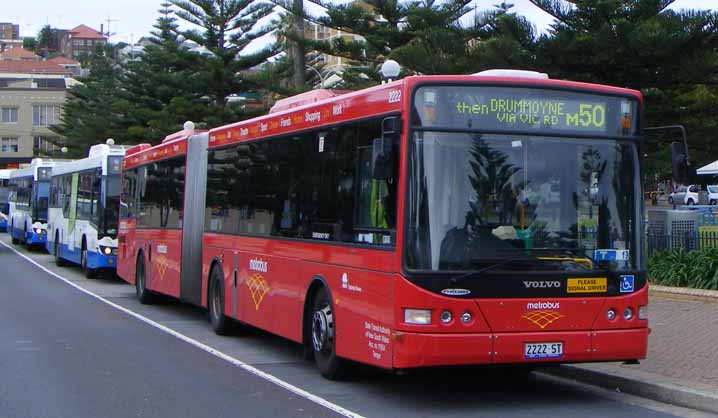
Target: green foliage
(697, 269)
(29, 43)
(91, 114)
(161, 88)
(227, 27)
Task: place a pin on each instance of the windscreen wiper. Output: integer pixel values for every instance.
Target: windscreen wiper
(576, 252)
(479, 272)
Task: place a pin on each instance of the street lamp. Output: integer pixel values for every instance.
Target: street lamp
(390, 70)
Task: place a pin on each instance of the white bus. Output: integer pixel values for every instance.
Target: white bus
(4, 194)
(83, 213)
(29, 192)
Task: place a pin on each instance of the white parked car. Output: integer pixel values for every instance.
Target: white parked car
(685, 195)
(713, 195)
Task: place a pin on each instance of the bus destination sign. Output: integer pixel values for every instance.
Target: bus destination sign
(525, 109)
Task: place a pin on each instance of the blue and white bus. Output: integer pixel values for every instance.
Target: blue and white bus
(4, 194)
(84, 210)
(29, 194)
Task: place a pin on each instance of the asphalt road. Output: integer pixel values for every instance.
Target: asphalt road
(64, 353)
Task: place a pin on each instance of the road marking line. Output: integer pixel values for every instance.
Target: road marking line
(239, 363)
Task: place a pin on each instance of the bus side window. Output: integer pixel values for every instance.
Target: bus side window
(375, 211)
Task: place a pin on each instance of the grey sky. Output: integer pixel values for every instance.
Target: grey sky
(132, 19)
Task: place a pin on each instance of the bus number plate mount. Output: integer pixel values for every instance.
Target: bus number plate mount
(543, 350)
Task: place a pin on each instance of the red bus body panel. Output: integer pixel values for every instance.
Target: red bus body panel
(273, 276)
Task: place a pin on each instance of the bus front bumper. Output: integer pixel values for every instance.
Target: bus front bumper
(33, 238)
(101, 261)
(413, 350)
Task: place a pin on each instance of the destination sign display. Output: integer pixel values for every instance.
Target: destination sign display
(524, 109)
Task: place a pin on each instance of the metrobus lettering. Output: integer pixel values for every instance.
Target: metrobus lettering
(543, 305)
(258, 265)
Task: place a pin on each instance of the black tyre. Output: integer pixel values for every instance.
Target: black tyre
(89, 273)
(12, 231)
(24, 238)
(215, 303)
(712, 202)
(143, 295)
(59, 261)
(323, 338)
(691, 202)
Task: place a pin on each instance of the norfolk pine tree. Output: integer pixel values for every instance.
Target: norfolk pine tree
(225, 29)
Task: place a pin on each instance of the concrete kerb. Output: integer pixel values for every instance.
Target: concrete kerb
(639, 384)
(685, 291)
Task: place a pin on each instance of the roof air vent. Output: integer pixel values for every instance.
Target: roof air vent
(513, 73)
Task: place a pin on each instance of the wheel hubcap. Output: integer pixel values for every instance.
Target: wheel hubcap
(323, 329)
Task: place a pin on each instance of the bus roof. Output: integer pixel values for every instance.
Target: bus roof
(325, 107)
(173, 145)
(97, 158)
(31, 170)
(310, 111)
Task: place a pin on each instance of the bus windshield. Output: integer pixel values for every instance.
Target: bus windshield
(480, 198)
(112, 206)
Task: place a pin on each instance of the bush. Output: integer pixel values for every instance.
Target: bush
(697, 269)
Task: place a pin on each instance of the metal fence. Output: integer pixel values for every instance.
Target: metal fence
(686, 241)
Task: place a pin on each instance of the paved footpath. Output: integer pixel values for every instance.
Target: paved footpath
(682, 362)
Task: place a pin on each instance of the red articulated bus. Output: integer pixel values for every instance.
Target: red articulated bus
(493, 218)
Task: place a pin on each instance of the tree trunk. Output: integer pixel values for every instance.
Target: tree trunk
(298, 49)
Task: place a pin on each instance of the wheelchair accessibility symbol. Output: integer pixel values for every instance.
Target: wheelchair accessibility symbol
(626, 283)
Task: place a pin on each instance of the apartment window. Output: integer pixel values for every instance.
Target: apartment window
(44, 145)
(45, 115)
(8, 115)
(9, 144)
(77, 42)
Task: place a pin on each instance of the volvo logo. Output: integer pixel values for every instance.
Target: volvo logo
(535, 284)
(456, 292)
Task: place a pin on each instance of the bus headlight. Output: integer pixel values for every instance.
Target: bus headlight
(107, 250)
(643, 312)
(39, 231)
(417, 316)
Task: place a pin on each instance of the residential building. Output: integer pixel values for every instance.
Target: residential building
(18, 54)
(9, 31)
(68, 64)
(331, 66)
(80, 40)
(9, 36)
(32, 94)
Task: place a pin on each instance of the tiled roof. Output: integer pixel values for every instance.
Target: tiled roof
(19, 53)
(60, 60)
(86, 32)
(32, 67)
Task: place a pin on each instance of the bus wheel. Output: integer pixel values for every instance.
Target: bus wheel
(89, 273)
(323, 338)
(215, 302)
(143, 295)
(24, 237)
(59, 261)
(12, 234)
